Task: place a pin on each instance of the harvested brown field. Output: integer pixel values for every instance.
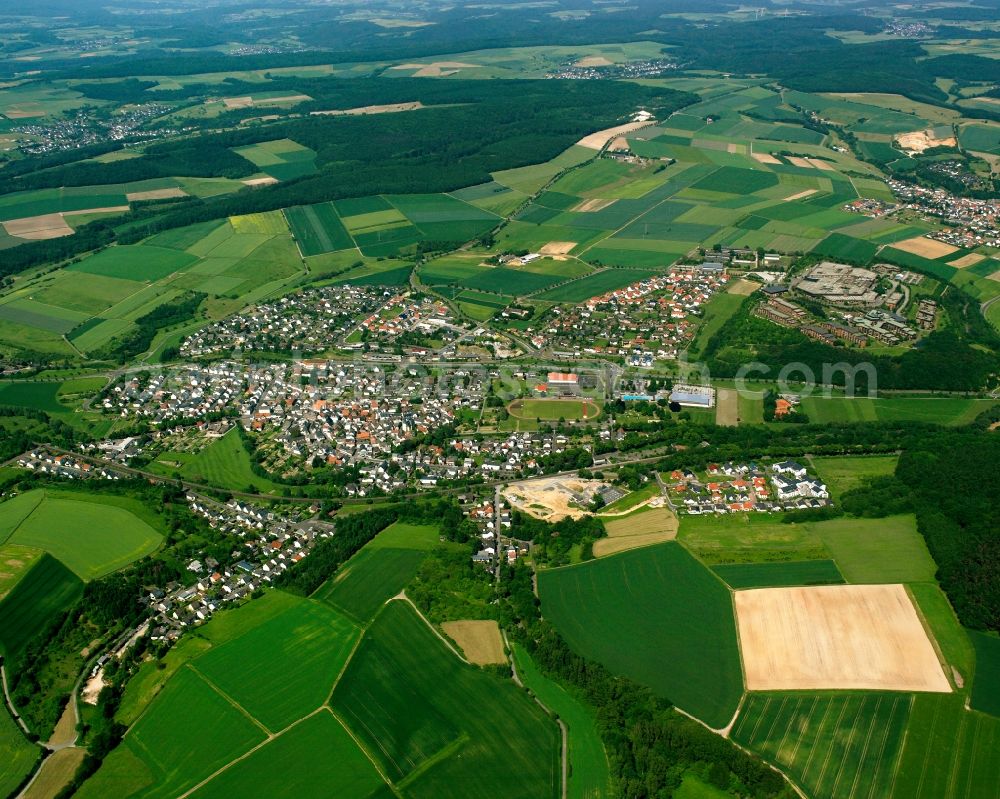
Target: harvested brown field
(268, 181)
(742, 288)
(155, 194)
(794, 160)
(589, 206)
(765, 158)
(597, 140)
(620, 145)
(734, 147)
(800, 195)
(923, 246)
(237, 102)
(36, 228)
(479, 640)
(839, 637)
(920, 140)
(593, 61)
(437, 69)
(819, 163)
(65, 731)
(560, 247)
(651, 526)
(727, 407)
(971, 259)
(392, 108)
(107, 209)
(55, 774)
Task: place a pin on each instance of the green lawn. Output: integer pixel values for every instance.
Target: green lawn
(886, 550)
(379, 571)
(844, 473)
(439, 728)
(655, 615)
(226, 463)
(91, 537)
(590, 776)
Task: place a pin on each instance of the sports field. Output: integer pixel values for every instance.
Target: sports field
(91, 537)
(836, 746)
(434, 725)
(590, 776)
(552, 409)
(655, 615)
(379, 571)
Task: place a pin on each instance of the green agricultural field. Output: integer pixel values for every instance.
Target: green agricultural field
(189, 732)
(18, 755)
(593, 285)
(140, 262)
(658, 616)
(886, 550)
(943, 410)
(553, 409)
(435, 725)
(379, 571)
(835, 746)
(774, 575)
(503, 280)
(370, 276)
(986, 686)
(589, 772)
(47, 589)
(17, 561)
(318, 748)
(40, 396)
(91, 537)
(225, 463)
(307, 646)
(318, 229)
(950, 752)
(844, 473)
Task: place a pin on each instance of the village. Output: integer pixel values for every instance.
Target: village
(745, 487)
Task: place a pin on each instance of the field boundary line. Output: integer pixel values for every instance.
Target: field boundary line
(230, 700)
(347, 662)
(364, 750)
(245, 755)
(402, 597)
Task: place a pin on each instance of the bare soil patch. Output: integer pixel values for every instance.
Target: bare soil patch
(46, 226)
(765, 158)
(437, 69)
(155, 194)
(597, 140)
(589, 206)
(268, 181)
(819, 163)
(593, 61)
(923, 246)
(559, 247)
(920, 140)
(107, 209)
(392, 108)
(800, 195)
(971, 259)
(553, 498)
(840, 637)
(479, 640)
